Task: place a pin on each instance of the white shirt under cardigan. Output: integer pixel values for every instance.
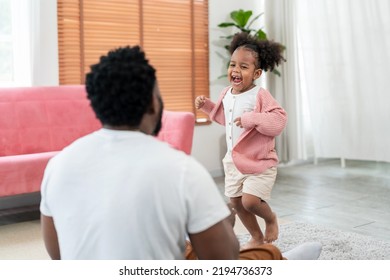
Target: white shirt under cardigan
(126, 195)
(234, 106)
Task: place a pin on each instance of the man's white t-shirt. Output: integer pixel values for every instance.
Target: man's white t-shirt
(126, 195)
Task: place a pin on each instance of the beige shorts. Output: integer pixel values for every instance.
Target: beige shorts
(236, 183)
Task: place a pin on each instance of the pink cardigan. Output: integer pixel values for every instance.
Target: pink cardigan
(254, 151)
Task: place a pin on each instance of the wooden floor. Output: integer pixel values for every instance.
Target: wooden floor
(355, 198)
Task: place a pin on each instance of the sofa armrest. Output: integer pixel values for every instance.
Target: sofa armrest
(178, 130)
(22, 173)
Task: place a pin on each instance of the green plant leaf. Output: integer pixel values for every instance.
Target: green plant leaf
(276, 72)
(254, 19)
(261, 34)
(247, 30)
(241, 17)
(226, 24)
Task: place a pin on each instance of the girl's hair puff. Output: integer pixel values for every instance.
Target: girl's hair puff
(268, 53)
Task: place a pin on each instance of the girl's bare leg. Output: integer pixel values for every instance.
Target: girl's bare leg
(261, 208)
(249, 220)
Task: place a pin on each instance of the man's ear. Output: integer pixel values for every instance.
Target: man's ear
(153, 106)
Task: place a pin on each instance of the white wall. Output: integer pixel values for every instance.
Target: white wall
(209, 145)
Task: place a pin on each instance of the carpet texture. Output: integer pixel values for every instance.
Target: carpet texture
(336, 245)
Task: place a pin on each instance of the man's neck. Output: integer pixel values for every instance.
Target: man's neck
(121, 127)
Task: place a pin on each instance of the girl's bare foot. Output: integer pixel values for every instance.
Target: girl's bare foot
(271, 230)
(252, 243)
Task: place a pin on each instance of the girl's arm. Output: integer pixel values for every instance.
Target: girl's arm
(268, 117)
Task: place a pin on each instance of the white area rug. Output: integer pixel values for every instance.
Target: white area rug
(336, 245)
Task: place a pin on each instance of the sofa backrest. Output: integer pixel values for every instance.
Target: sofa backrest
(46, 119)
(43, 119)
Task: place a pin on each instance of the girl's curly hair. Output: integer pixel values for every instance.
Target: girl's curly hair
(268, 53)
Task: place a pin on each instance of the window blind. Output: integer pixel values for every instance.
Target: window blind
(173, 33)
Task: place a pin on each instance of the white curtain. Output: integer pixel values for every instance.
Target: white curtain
(281, 25)
(341, 53)
(35, 48)
(22, 36)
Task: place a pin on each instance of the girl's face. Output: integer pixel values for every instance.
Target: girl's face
(242, 70)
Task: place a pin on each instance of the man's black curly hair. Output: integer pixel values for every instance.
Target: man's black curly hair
(120, 86)
(267, 53)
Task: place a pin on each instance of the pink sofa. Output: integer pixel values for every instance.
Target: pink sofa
(37, 122)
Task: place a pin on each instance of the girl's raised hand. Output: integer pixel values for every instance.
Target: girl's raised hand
(199, 101)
